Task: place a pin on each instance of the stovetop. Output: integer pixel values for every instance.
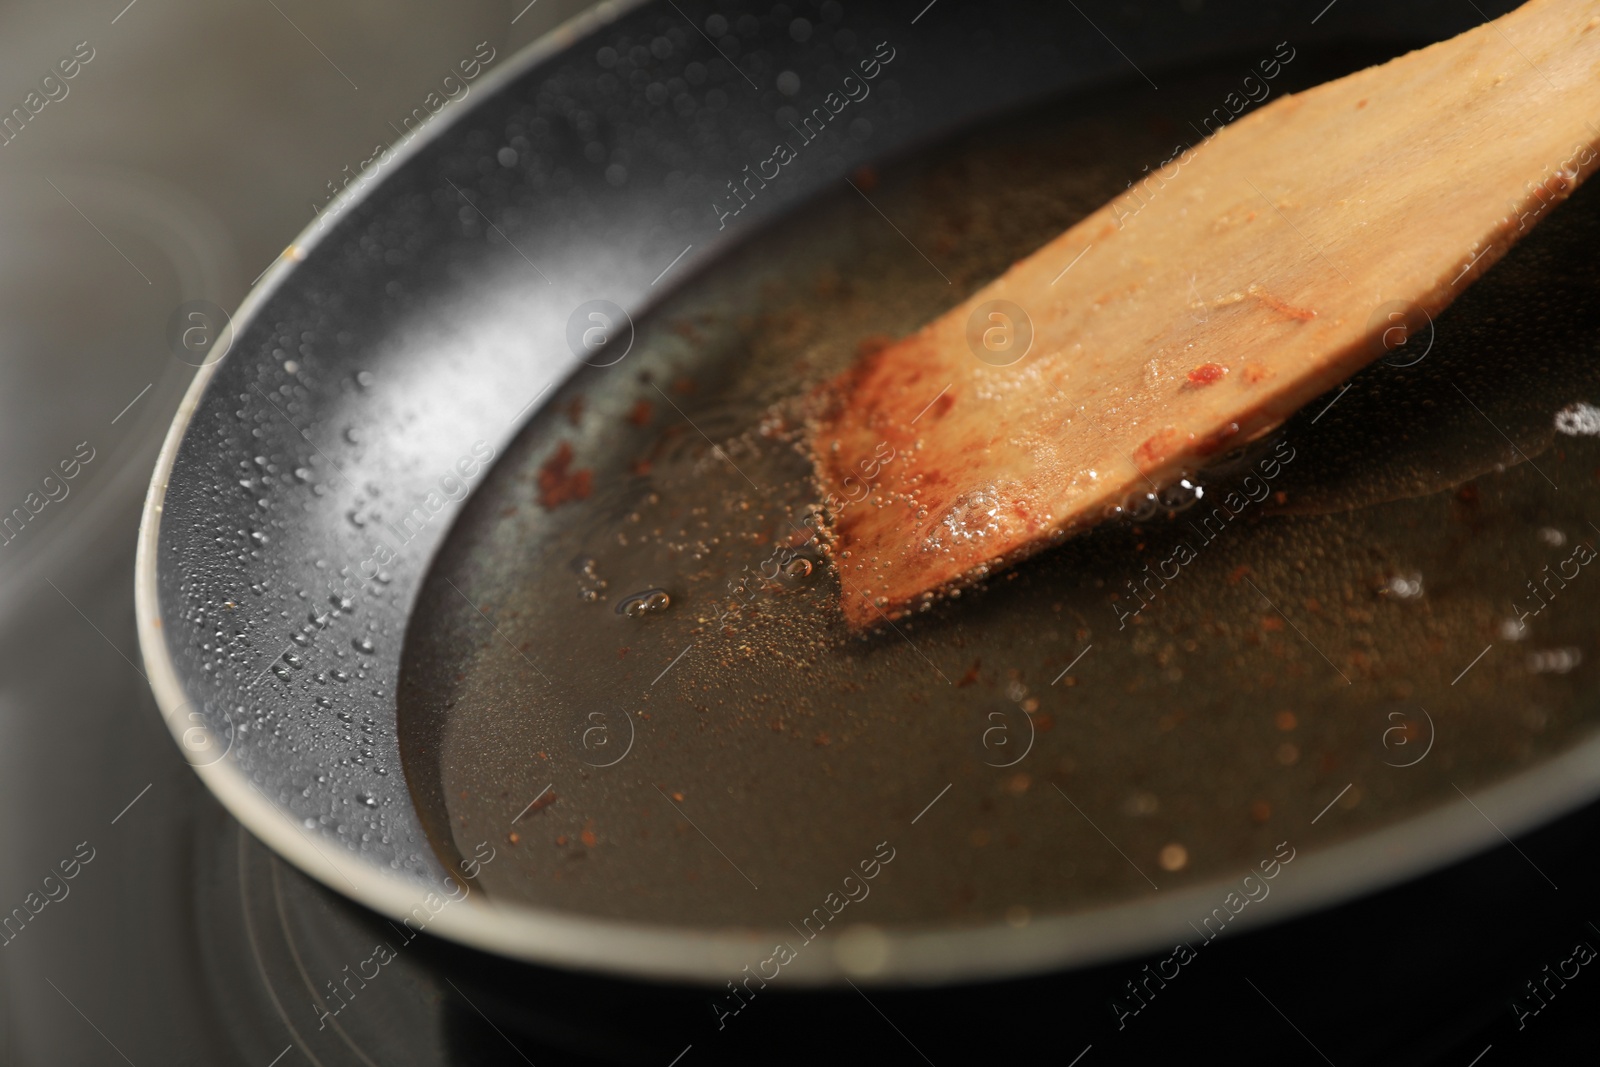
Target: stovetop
(142, 925)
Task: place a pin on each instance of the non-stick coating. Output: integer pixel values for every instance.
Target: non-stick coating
(433, 311)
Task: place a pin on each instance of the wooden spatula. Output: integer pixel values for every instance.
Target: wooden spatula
(1254, 272)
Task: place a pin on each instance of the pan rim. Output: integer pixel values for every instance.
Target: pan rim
(900, 956)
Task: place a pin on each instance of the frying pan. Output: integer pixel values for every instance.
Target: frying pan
(426, 318)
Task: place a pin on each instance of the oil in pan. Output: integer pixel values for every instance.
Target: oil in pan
(630, 649)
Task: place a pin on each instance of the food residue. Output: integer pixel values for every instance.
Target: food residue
(558, 483)
(1206, 373)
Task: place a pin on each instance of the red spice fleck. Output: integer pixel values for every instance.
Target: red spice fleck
(822, 740)
(575, 410)
(639, 468)
(971, 676)
(1256, 372)
(623, 651)
(683, 386)
(640, 415)
(866, 179)
(561, 839)
(678, 797)
(513, 838)
(1159, 446)
(588, 838)
(1271, 623)
(543, 802)
(1298, 313)
(942, 405)
(1207, 373)
(1260, 811)
(559, 484)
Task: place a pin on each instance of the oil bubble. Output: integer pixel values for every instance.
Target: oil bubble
(1181, 495)
(648, 602)
(1407, 586)
(1141, 507)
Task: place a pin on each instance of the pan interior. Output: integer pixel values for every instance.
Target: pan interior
(625, 672)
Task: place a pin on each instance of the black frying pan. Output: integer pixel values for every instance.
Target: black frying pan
(288, 589)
